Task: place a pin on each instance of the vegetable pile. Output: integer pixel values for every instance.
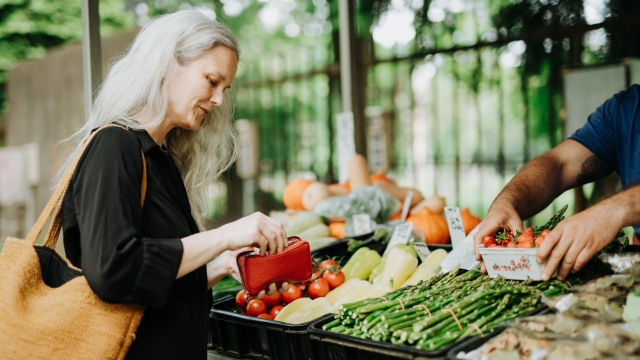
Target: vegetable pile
(435, 313)
(529, 238)
(292, 307)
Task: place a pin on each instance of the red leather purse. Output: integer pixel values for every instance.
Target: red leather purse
(292, 265)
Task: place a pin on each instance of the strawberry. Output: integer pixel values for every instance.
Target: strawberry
(526, 236)
(543, 235)
(511, 244)
(524, 245)
(488, 241)
(493, 246)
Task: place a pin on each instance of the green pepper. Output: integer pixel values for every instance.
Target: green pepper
(348, 268)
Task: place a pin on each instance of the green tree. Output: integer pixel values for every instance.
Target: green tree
(29, 27)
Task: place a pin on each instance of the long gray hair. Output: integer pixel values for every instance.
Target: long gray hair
(137, 84)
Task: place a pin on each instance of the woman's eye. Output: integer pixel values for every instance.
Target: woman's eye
(213, 83)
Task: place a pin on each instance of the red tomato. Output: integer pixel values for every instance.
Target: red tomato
(327, 264)
(333, 279)
(241, 299)
(275, 310)
(293, 294)
(265, 316)
(272, 300)
(318, 288)
(314, 276)
(256, 307)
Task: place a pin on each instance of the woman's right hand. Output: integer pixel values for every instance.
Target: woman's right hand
(256, 230)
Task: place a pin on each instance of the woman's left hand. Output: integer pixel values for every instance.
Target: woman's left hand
(228, 261)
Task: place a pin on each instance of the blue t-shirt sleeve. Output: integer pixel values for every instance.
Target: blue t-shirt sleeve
(599, 133)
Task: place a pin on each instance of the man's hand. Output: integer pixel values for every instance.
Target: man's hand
(576, 239)
(500, 216)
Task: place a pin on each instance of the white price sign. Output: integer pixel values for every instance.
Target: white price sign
(422, 250)
(361, 224)
(454, 221)
(346, 143)
(400, 235)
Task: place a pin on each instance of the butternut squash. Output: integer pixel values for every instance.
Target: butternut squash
(313, 194)
(398, 192)
(358, 172)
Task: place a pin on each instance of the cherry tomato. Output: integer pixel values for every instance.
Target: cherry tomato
(241, 299)
(292, 294)
(318, 288)
(316, 275)
(333, 279)
(256, 307)
(275, 310)
(272, 300)
(327, 264)
(265, 316)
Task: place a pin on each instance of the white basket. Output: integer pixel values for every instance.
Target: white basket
(512, 263)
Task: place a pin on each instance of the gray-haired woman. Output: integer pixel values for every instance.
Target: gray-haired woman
(170, 90)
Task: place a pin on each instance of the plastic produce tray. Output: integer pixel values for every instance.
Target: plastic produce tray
(243, 336)
(332, 346)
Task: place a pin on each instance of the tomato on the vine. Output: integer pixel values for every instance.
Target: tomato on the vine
(333, 279)
(272, 300)
(318, 288)
(275, 310)
(241, 299)
(328, 264)
(265, 316)
(256, 307)
(292, 294)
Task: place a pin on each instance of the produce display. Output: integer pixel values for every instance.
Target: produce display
(435, 313)
(313, 229)
(528, 238)
(592, 321)
(293, 306)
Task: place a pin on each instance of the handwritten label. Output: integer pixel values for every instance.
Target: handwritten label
(454, 220)
(400, 235)
(422, 250)
(346, 143)
(361, 224)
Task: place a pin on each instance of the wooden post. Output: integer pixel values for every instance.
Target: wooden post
(352, 89)
(91, 51)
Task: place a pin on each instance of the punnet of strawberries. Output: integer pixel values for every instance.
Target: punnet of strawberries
(531, 237)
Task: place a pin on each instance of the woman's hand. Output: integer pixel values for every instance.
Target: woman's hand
(256, 230)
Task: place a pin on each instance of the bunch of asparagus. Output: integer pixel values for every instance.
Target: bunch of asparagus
(433, 314)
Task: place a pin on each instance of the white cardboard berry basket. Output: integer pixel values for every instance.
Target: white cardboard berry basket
(512, 263)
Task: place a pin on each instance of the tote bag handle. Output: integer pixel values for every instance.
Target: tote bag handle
(56, 199)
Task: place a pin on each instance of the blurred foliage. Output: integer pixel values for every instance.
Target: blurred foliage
(29, 27)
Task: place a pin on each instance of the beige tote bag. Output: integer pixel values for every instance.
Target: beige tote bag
(47, 309)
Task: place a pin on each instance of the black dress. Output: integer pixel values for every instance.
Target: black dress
(131, 254)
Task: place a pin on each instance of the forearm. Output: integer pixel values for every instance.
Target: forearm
(199, 249)
(534, 187)
(622, 208)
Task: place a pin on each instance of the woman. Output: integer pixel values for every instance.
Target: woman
(169, 90)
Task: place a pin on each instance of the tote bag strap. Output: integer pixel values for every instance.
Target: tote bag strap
(56, 199)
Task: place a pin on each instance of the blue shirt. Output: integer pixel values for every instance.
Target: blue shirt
(612, 132)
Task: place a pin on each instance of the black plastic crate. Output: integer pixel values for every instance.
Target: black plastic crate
(333, 346)
(243, 336)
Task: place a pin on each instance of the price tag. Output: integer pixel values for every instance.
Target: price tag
(400, 235)
(422, 250)
(454, 220)
(406, 206)
(346, 143)
(361, 224)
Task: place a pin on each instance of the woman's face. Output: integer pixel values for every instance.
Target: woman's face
(197, 88)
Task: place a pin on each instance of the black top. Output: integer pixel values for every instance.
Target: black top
(131, 254)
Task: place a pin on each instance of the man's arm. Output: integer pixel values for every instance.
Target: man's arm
(576, 239)
(538, 183)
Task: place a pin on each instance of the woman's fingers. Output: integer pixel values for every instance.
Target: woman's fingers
(260, 295)
(272, 289)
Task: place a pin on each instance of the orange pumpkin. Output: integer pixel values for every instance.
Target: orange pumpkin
(469, 221)
(433, 226)
(336, 229)
(380, 176)
(292, 196)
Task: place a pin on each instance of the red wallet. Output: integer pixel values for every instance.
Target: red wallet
(292, 265)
